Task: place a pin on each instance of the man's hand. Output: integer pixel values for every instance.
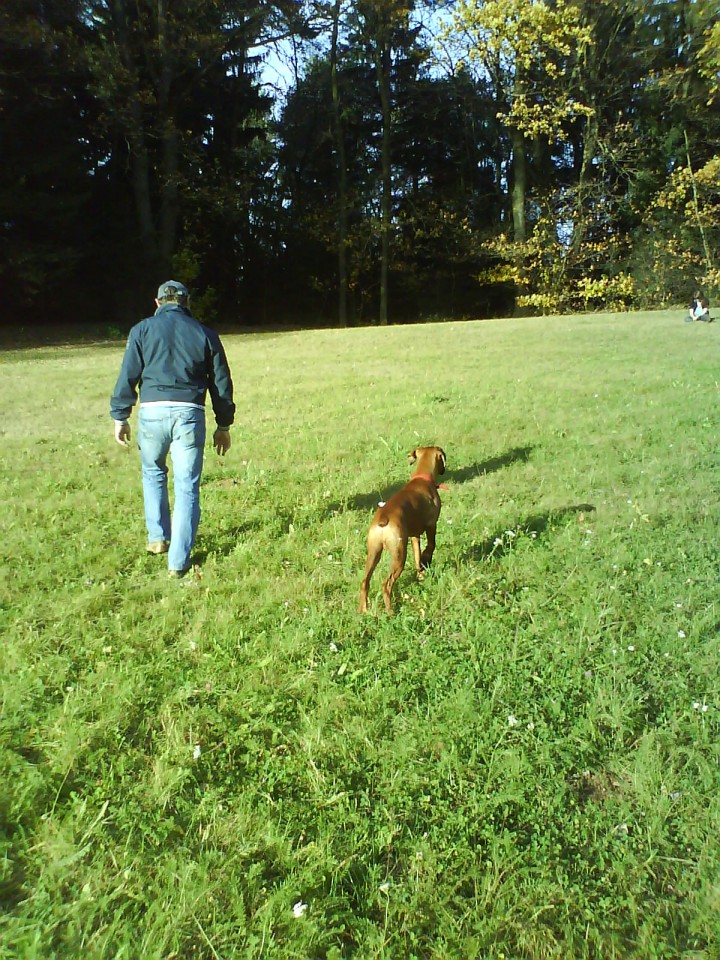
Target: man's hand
(122, 433)
(221, 441)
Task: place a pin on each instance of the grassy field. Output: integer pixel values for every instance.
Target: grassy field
(523, 762)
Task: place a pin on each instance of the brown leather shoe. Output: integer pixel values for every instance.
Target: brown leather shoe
(158, 546)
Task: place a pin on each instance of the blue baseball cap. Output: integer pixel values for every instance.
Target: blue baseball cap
(171, 290)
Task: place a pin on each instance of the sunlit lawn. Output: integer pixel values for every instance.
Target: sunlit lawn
(522, 763)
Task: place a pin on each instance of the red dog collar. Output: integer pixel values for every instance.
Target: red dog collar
(428, 477)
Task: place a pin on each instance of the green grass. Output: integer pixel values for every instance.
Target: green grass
(522, 763)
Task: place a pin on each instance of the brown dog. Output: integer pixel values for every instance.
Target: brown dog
(412, 511)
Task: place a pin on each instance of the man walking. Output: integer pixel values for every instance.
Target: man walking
(175, 360)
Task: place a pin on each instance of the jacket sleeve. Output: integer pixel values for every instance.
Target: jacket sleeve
(220, 385)
(125, 393)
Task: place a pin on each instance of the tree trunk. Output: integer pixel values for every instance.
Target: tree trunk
(383, 73)
(590, 141)
(519, 185)
(519, 162)
(140, 166)
(342, 240)
(169, 202)
(139, 157)
(696, 207)
(169, 199)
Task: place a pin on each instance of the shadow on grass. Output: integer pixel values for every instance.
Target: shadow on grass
(224, 542)
(497, 545)
(221, 542)
(493, 465)
(369, 501)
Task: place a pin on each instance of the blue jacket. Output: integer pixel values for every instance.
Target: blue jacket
(173, 357)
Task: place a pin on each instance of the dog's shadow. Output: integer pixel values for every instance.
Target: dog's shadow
(497, 545)
(361, 501)
(369, 501)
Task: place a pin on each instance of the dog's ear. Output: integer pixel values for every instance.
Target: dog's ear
(441, 460)
(412, 456)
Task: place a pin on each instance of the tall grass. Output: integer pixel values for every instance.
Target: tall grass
(521, 763)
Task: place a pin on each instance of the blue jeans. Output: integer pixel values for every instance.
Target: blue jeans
(179, 431)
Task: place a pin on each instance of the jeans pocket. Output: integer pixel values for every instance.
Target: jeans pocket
(151, 428)
(189, 429)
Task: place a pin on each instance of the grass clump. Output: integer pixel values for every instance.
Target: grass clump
(523, 762)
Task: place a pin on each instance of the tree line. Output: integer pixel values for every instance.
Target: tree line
(457, 158)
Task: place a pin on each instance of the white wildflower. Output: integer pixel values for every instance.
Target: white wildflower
(196, 752)
(299, 909)
(512, 721)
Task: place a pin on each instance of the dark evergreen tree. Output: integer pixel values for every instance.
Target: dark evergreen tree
(50, 157)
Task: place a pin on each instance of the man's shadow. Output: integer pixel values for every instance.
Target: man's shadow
(493, 465)
(221, 542)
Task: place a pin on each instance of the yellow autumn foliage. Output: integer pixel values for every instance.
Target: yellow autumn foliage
(522, 37)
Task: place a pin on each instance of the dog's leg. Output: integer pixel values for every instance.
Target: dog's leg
(427, 554)
(398, 552)
(374, 552)
(415, 541)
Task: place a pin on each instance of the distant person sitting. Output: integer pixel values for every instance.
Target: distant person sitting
(700, 308)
